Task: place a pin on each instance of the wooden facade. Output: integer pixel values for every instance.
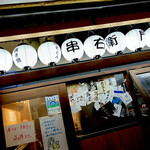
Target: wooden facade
(128, 136)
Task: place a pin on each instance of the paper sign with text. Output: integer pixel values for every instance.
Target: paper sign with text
(20, 134)
(53, 133)
(53, 105)
(75, 108)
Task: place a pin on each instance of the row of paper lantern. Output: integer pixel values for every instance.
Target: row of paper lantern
(49, 53)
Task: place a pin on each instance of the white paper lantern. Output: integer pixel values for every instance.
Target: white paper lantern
(94, 46)
(5, 61)
(72, 49)
(115, 42)
(135, 39)
(147, 37)
(49, 53)
(24, 56)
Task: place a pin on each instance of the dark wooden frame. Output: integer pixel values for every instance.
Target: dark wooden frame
(15, 94)
(45, 73)
(59, 89)
(133, 74)
(58, 86)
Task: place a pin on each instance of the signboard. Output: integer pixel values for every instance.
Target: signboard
(19, 134)
(53, 105)
(49, 53)
(10, 2)
(115, 42)
(94, 46)
(24, 56)
(72, 49)
(135, 39)
(53, 133)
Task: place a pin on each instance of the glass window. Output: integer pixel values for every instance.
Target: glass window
(100, 103)
(141, 82)
(34, 124)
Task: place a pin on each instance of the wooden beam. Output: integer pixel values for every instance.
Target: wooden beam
(52, 3)
(137, 82)
(74, 78)
(47, 73)
(72, 30)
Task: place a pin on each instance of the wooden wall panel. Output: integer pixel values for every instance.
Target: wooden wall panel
(109, 141)
(127, 139)
(133, 138)
(86, 144)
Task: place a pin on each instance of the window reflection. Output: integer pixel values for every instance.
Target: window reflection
(22, 112)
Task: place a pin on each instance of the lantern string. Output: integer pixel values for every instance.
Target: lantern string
(90, 32)
(22, 40)
(130, 26)
(46, 38)
(147, 24)
(109, 30)
(67, 35)
(116, 28)
(101, 31)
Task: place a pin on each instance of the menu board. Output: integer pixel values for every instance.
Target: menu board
(53, 132)
(19, 134)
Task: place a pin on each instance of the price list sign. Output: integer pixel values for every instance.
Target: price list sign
(20, 134)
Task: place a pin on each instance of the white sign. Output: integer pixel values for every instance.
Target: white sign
(20, 134)
(53, 104)
(95, 96)
(49, 52)
(88, 97)
(75, 108)
(94, 46)
(80, 98)
(117, 110)
(53, 133)
(5, 60)
(72, 49)
(135, 39)
(24, 56)
(126, 98)
(147, 37)
(97, 106)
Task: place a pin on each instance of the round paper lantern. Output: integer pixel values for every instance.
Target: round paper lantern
(72, 49)
(115, 42)
(49, 53)
(94, 46)
(24, 56)
(5, 61)
(135, 39)
(147, 37)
